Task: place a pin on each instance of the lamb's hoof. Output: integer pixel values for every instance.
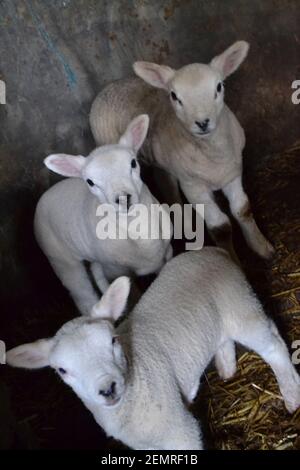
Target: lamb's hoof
(292, 403)
(266, 251)
(227, 374)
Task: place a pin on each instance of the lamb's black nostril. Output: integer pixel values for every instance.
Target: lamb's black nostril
(128, 201)
(124, 197)
(110, 392)
(113, 388)
(203, 125)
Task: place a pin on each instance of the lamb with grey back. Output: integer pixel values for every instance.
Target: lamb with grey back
(137, 378)
(193, 135)
(66, 218)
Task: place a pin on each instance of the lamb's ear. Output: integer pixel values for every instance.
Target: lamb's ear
(154, 74)
(227, 62)
(65, 165)
(113, 301)
(135, 133)
(31, 355)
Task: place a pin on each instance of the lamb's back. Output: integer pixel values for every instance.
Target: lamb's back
(185, 308)
(117, 104)
(62, 215)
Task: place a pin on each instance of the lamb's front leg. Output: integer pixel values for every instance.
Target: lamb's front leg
(99, 277)
(74, 277)
(240, 208)
(217, 222)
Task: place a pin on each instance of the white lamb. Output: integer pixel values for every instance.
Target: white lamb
(137, 378)
(193, 135)
(65, 220)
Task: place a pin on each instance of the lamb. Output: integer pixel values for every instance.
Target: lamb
(193, 135)
(137, 378)
(66, 219)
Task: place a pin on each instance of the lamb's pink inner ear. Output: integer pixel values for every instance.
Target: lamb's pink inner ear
(113, 301)
(231, 59)
(136, 132)
(154, 74)
(31, 355)
(139, 132)
(66, 165)
(230, 63)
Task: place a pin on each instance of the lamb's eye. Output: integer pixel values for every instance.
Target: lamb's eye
(133, 163)
(219, 87)
(62, 371)
(114, 339)
(90, 182)
(175, 97)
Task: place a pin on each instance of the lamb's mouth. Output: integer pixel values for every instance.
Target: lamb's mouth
(113, 402)
(203, 134)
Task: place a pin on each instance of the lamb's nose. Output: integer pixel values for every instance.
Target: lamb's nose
(109, 392)
(203, 124)
(124, 198)
(128, 201)
(113, 388)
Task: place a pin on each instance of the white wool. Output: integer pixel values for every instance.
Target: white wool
(193, 135)
(66, 221)
(137, 384)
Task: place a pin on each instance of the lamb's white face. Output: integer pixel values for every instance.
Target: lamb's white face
(196, 91)
(111, 172)
(86, 352)
(197, 96)
(89, 358)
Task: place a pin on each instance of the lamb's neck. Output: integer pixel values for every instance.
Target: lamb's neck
(146, 197)
(177, 129)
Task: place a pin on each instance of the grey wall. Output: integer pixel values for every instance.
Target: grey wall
(56, 55)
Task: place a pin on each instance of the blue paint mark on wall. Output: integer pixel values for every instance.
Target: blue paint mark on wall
(71, 77)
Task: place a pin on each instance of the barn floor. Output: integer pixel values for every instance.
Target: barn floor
(38, 411)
